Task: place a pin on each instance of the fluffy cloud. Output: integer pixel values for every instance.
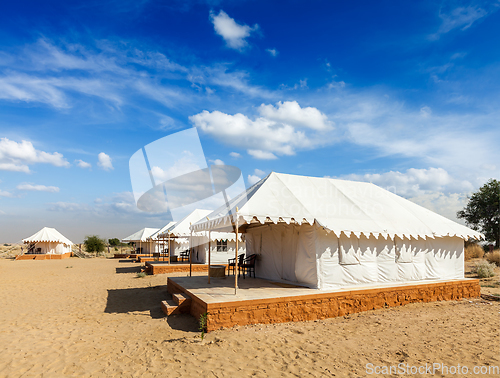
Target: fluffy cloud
(4, 193)
(104, 161)
(415, 182)
(16, 156)
(280, 129)
(235, 155)
(233, 33)
(38, 188)
(83, 164)
(256, 177)
(218, 162)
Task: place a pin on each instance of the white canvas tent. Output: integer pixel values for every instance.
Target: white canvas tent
(329, 234)
(141, 239)
(180, 233)
(48, 241)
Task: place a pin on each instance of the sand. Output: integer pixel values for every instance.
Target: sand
(95, 318)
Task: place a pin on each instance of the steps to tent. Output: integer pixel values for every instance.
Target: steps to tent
(179, 304)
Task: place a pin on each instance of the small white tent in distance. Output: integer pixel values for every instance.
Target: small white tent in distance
(141, 240)
(48, 241)
(331, 234)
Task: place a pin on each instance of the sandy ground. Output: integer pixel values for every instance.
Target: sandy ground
(94, 318)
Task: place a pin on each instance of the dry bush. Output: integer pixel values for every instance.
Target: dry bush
(473, 251)
(484, 269)
(494, 257)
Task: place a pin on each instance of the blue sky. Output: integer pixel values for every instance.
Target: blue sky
(402, 94)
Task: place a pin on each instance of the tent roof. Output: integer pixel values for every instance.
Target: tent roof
(48, 234)
(161, 230)
(141, 235)
(337, 205)
(182, 227)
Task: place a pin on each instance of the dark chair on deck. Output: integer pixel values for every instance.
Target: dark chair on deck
(184, 255)
(231, 263)
(248, 266)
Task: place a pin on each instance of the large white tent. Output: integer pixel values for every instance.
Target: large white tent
(222, 244)
(328, 233)
(141, 239)
(48, 241)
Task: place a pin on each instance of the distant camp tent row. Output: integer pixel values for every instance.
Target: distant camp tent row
(177, 237)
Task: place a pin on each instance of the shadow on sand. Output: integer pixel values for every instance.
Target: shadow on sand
(122, 301)
(129, 269)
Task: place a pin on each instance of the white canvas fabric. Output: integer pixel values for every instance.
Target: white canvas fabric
(48, 234)
(50, 241)
(141, 235)
(331, 234)
(337, 205)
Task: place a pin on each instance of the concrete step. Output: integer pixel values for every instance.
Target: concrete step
(169, 307)
(182, 299)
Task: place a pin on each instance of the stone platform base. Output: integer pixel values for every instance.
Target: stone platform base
(225, 311)
(44, 256)
(127, 255)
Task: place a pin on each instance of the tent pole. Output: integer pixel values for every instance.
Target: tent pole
(236, 257)
(191, 253)
(169, 249)
(209, 256)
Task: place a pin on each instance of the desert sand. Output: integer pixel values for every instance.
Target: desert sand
(95, 318)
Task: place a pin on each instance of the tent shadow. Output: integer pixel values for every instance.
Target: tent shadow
(183, 322)
(129, 269)
(123, 301)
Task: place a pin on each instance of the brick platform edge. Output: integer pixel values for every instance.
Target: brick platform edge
(175, 267)
(323, 305)
(44, 256)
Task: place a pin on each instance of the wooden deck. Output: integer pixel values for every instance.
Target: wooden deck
(44, 256)
(262, 301)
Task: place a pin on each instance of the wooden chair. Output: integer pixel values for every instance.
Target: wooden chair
(231, 263)
(184, 255)
(248, 266)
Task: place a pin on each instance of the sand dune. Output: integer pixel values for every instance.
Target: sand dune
(94, 318)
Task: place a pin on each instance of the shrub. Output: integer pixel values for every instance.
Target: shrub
(141, 274)
(473, 251)
(494, 257)
(484, 269)
(94, 243)
(114, 242)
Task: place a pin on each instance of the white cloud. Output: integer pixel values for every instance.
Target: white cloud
(68, 207)
(233, 33)
(433, 188)
(290, 113)
(235, 155)
(83, 164)
(4, 193)
(281, 129)
(461, 17)
(16, 156)
(262, 155)
(104, 161)
(218, 162)
(259, 172)
(252, 179)
(273, 52)
(38, 188)
(185, 164)
(414, 182)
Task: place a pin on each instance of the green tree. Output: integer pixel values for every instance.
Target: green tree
(114, 242)
(482, 212)
(94, 243)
